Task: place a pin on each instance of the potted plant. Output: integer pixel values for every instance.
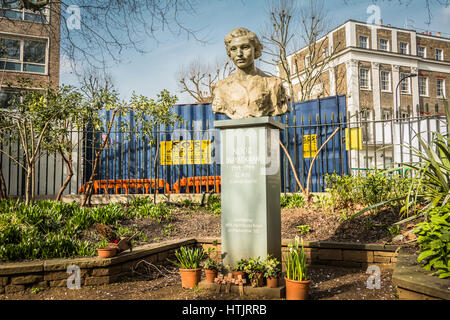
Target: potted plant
(238, 269)
(271, 271)
(297, 281)
(107, 249)
(211, 270)
(255, 271)
(189, 265)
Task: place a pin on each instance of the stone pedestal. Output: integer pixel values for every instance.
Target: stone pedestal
(250, 188)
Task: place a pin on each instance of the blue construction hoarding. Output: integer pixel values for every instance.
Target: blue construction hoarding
(191, 148)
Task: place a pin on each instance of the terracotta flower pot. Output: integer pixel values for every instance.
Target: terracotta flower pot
(272, 282)
(107, 252)
(236, 274)
(190, 277)
(297, 290)
(210, 275)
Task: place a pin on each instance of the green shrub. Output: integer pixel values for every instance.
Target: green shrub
(434, 240)
(47, 229)
(292, 201)
(188, 257)
(214, 205)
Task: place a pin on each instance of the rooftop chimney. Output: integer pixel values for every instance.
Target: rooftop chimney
(381, 21)
(439, 34)
(389, 25)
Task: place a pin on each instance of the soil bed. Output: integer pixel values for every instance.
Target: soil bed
(328, 282)
(197, 222)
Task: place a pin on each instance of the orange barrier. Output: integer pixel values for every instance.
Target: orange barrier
(206, 181)
(127, 184)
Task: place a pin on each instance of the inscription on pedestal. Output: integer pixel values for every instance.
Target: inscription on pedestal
(251, 187)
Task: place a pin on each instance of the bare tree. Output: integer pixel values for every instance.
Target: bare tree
(292, 28)
(278, 35)
(198, 78)
(108, 27)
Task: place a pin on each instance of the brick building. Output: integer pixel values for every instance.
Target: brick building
(29, 45)
(29, 48)
(368, 61)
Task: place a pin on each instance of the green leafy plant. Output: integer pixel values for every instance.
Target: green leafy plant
(394, 230)
(188, 257)
(254, 268)
(168, 230)
(434, 240)
(292, 201)
(271, 267)
(323, 202)
(344, 215)
(303, 229)
(239, 266)
(214, 205)
(295, 261)
(210, 264)
(36, 290)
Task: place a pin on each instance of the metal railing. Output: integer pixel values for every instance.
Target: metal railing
(183, 160)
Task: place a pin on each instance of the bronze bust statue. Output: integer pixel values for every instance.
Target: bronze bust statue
(248, 92)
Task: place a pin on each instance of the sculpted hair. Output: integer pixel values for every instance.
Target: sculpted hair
(243, 32)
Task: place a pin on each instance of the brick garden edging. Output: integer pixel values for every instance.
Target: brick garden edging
(19, 276)
(414, 283)
(343, 254)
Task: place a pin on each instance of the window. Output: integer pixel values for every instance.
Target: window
(404, 87)
(325, 53)
(363, 42)
(421, 52)
(384, 45)
(404, 48)
(364, 82)
(307, 58)
(385, 81)
(5, 97)
(423, 86)
(440, 88)
(23, 55)
(439, 54)
(10, 10)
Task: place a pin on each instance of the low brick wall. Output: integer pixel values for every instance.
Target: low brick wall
(414, 283)
(16, 277)
(342, 254)
(19, 276)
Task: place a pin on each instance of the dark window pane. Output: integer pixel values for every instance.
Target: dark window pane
(34, 51)
(10, 49)
(13, 14)
(5, 98)
(10, 66)
(36, 17)
(33, 68)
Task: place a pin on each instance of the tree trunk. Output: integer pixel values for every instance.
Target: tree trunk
(90, 183)
(69, 177)
(29, 181)
(3, 190)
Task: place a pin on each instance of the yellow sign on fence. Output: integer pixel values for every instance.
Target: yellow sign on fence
(309, 146)
(354, 138)
(185, 152)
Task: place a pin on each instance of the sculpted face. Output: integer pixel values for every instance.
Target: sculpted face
(242, 52)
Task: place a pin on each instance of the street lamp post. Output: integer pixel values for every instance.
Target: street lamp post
(412, 75)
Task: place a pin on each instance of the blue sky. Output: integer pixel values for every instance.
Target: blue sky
(155, 70)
